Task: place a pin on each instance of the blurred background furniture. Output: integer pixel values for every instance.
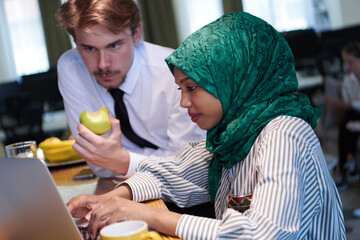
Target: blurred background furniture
(31, 108)
(43, 87)
(320, 52)
(305, 46)
(21, 119)
(332, 41)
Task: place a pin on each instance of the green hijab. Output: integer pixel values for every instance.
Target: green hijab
(246, 64)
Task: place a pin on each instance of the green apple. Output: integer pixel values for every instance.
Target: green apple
(98, 122)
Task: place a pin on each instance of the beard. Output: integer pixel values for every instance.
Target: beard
(108, 83)
(106, 72)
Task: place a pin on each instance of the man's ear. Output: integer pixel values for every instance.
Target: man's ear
(138, 34)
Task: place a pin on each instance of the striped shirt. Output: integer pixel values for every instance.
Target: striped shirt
(293, 193)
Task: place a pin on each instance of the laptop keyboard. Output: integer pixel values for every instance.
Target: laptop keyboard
(83, 227)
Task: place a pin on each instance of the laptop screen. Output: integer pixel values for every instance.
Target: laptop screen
(31, 206)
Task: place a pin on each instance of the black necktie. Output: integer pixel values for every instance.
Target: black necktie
(122, 115)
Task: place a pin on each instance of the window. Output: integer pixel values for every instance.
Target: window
(287, 15)
(192, 15)
(26, 36)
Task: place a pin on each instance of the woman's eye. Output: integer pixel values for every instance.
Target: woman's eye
(191, 88)
(188, 88)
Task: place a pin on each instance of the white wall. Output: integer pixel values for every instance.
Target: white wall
(193, 14)
(7, 64)
(343, 13)
(351, 12)
(335, 16)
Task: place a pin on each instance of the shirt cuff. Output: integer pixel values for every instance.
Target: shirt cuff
(193, 227)
(135, 159)
(102, 172)
(144, 186)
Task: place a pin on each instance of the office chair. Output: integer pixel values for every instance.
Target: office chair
(21, 119)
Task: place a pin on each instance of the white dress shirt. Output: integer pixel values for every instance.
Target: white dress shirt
(151, 97)
(293, 192)
(351, 91)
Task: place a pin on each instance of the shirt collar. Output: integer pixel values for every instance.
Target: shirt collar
(132, 76)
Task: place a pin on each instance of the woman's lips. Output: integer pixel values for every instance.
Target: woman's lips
(194, 117)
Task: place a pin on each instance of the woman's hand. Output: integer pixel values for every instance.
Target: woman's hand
(81, 205)
(118, 209)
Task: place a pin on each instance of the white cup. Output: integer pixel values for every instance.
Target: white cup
(27, 149)
(128, 230)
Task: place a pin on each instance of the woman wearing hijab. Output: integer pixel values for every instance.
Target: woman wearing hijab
(261, 162)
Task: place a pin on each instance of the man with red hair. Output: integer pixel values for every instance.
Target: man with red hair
(111, 58)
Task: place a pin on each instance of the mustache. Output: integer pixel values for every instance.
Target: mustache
(101, 72)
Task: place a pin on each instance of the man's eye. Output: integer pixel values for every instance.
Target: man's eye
(89, 49)
(114, 46)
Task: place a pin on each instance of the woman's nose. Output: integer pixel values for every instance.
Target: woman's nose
(185, 101)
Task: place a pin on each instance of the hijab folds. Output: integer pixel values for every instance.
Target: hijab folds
(246, 64)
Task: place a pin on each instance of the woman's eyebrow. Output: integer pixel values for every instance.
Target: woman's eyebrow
(184, 79)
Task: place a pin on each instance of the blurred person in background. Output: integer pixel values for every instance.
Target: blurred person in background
(349, 128)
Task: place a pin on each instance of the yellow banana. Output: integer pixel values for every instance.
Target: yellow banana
(61, 154)
(52, 139)
(46, 145)
(56, 150)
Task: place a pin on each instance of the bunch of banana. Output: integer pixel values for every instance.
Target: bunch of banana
(56, 150)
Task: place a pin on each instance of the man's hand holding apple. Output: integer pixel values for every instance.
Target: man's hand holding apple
(103, 151)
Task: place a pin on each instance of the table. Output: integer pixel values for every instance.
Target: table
(309, 81)
(309, 85)
(54, 121)
(69, 188)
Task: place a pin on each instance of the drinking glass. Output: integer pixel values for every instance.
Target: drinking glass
(27, 149)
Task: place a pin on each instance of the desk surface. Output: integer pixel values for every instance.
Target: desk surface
(70, 188)
(54, 121)
(310, 81)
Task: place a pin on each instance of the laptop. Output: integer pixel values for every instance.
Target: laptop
(31, 207)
